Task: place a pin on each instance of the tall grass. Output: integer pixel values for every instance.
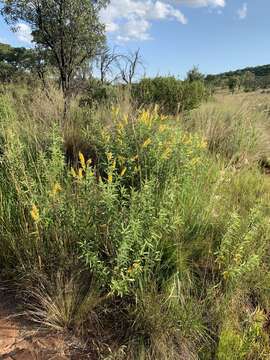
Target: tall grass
(124, 229)
(234, 129)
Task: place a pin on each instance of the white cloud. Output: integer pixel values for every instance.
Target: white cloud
(132, 19)
(135, 29)
(23, 33)
(243, 11)
(202, 3)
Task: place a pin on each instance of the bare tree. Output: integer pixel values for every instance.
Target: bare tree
(129, 66)
(106, 61)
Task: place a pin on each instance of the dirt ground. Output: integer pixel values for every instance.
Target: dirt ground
(20, 340)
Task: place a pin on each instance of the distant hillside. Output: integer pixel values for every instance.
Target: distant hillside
(263, 70)
(250, 77)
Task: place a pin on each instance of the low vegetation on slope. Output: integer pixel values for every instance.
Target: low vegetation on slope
(145, 235)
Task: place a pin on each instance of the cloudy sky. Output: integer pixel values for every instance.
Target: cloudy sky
(174, 35)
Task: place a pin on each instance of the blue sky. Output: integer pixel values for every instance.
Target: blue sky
(174, 35)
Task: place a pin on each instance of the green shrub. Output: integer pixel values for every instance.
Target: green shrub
(98, 93)
(170, 94)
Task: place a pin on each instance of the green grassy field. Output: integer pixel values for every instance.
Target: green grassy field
(146, 236)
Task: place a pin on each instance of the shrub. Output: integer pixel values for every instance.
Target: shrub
(98, 93)
(170, 94)
(110, 224)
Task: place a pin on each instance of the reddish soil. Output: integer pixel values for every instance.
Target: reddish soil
(20, 340)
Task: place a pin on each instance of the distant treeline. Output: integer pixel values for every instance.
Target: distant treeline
(249, 78)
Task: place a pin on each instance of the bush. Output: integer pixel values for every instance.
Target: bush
(170, 94)
(98, 93)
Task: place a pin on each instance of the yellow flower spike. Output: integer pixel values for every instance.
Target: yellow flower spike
(73, 172)
(114, 164)
(195, 161)
(162, 128)
(125, 119)
(146, 143)
(167, 153)
(109, 156)
(80, 174)
(56, 189)
(145, 117)
(34, 213)
(120, 127)
(203, 144)
(89, 162)
(123, 171)
(110, 178)
(82, 160)
(105, 135)
(115, 111)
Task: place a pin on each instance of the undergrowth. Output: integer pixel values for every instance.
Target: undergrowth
(123, 228)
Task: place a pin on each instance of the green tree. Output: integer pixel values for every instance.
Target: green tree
(14, 62)
(233, 82)
(195, 75)
(69, 29)
(249, 81)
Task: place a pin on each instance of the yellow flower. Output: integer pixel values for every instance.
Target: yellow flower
(114, 164)
(145, 117)
(89, 162)
(105, 135)
(35, 213)
(115, 111)
(167, 153)
(109, 156)
(146, 143)
(195, 161)
(73, 172)
(123, 171)
(120, 127)
(125, 119)
(203, 144)
(80, 174)
(57, 188)
(187, 139)
(82, 160)
(162, 128)
(110, 178)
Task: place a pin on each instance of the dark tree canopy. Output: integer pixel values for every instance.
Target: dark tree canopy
(195, 75)
(70, 29)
